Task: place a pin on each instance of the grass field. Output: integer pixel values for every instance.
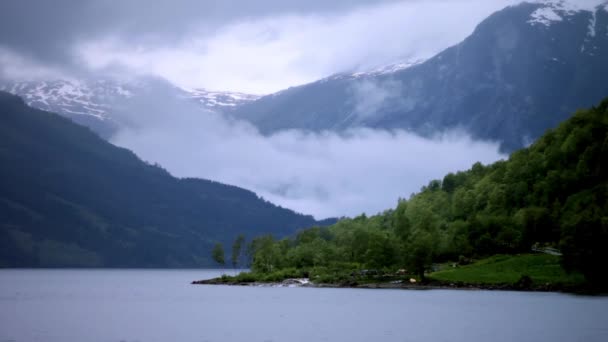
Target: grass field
(508, 269)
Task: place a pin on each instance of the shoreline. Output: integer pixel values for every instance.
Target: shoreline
(429, 285)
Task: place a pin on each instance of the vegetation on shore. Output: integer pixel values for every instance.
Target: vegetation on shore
(509, 272)
(541, 269)
(553, 193)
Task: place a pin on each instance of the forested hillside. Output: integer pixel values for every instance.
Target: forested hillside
(69, 198)
(553, 193)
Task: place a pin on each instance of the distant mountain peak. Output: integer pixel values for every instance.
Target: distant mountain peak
(67, 96)
(551, 11)
(97, 103)
(95, 98)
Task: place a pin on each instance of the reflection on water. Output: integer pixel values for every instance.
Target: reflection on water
(161, 305)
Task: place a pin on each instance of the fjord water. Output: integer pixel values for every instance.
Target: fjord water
(161, 305)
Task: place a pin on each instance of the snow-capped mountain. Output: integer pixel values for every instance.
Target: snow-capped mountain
(90, 103)
(97, 103)
(523, 70)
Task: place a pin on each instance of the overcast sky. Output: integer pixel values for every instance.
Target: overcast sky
(252, 46)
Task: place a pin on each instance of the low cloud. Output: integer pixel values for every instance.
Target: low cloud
(324, 174)
(371, 96)
(20, 68)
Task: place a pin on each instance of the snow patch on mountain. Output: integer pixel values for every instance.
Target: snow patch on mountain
(544, 16)
(67, 97)
(382, 70)
(388, 69)
(572, 6)
(553, 11)
(219, 99)
(592, 23)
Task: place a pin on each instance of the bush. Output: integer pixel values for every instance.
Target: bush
(246, 277)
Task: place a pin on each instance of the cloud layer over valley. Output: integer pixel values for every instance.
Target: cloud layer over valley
(324, 174)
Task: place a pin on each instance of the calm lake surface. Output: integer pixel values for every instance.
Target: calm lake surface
(161, 305)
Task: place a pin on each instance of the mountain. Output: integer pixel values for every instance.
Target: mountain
(523, 69)
(69, 198)
(99, 104)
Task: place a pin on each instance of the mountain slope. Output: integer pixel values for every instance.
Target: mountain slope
(524, 69)
(69, 198)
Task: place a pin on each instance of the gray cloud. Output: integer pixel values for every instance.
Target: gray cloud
(324, 174)
(47, 29)
(371, 96)
(252, 46)
(18, 67)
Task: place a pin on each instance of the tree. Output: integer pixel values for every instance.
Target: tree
(218, 254)
(402, 225)
(380, 251)
(449, 183)
(265, 254)
(420, 251)
(236, 249)
(585, 234)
